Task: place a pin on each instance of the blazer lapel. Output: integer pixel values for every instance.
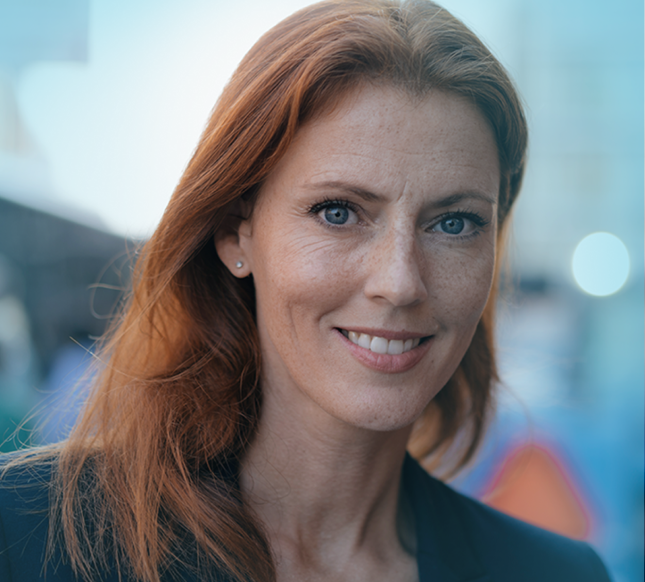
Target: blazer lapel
(444, 551)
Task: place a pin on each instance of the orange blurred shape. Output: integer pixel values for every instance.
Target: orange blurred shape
(534, 487)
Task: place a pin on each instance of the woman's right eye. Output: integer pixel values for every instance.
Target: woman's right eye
(336, 213)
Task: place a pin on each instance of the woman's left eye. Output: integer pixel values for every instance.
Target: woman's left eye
(457, 225)
(452, 225)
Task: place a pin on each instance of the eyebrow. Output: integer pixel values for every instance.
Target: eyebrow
(347, 188)
(372, 197)
(455, 198)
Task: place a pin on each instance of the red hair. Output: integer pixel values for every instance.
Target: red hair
(148, 475)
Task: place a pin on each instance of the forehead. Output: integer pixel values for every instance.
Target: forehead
(381, 138)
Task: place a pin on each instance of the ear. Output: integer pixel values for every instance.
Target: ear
(229, 242)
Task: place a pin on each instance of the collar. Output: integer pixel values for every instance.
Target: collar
(444, 550)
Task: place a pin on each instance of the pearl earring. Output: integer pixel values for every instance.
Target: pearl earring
(239, 264)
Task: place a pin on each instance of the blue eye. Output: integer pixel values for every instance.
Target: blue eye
(460, 223)
(336, 214)
(452, 225)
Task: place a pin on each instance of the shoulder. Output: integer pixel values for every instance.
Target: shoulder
(24, 521)
(26, 483)
(24, 497)
(509, 549)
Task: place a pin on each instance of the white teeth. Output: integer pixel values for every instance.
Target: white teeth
(364, 341)
(395, 347)
(380, 345)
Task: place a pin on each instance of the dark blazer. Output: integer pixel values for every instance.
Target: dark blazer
(458, 538)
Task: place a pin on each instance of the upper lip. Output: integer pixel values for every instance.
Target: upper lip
(387, 333)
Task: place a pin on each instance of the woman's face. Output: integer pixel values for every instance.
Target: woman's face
(372, 250)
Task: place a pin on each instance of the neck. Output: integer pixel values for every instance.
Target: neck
(324, 487)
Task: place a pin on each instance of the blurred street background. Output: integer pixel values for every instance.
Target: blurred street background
(101, 105)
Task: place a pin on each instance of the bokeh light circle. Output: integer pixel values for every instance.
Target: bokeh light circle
(600, 264)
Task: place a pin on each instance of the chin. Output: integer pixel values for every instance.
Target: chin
(383, 414)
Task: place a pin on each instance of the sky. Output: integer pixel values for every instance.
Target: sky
(118, 129)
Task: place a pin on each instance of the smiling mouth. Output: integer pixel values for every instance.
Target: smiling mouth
(380, 345)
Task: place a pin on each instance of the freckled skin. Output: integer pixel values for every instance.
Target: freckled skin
(390, 269)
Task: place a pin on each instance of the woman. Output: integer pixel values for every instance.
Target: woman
(317, 299)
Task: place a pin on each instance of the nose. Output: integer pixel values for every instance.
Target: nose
(395, 274)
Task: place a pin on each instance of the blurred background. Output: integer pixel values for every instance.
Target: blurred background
(101, 105)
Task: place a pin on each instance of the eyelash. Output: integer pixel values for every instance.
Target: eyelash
(330, 203)
(477, 219)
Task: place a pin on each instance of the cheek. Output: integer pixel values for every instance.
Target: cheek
(299, 275)
(461, 283)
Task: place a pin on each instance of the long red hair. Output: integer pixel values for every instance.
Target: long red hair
(147, 480)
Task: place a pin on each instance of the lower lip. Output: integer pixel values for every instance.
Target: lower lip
(387, 363)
